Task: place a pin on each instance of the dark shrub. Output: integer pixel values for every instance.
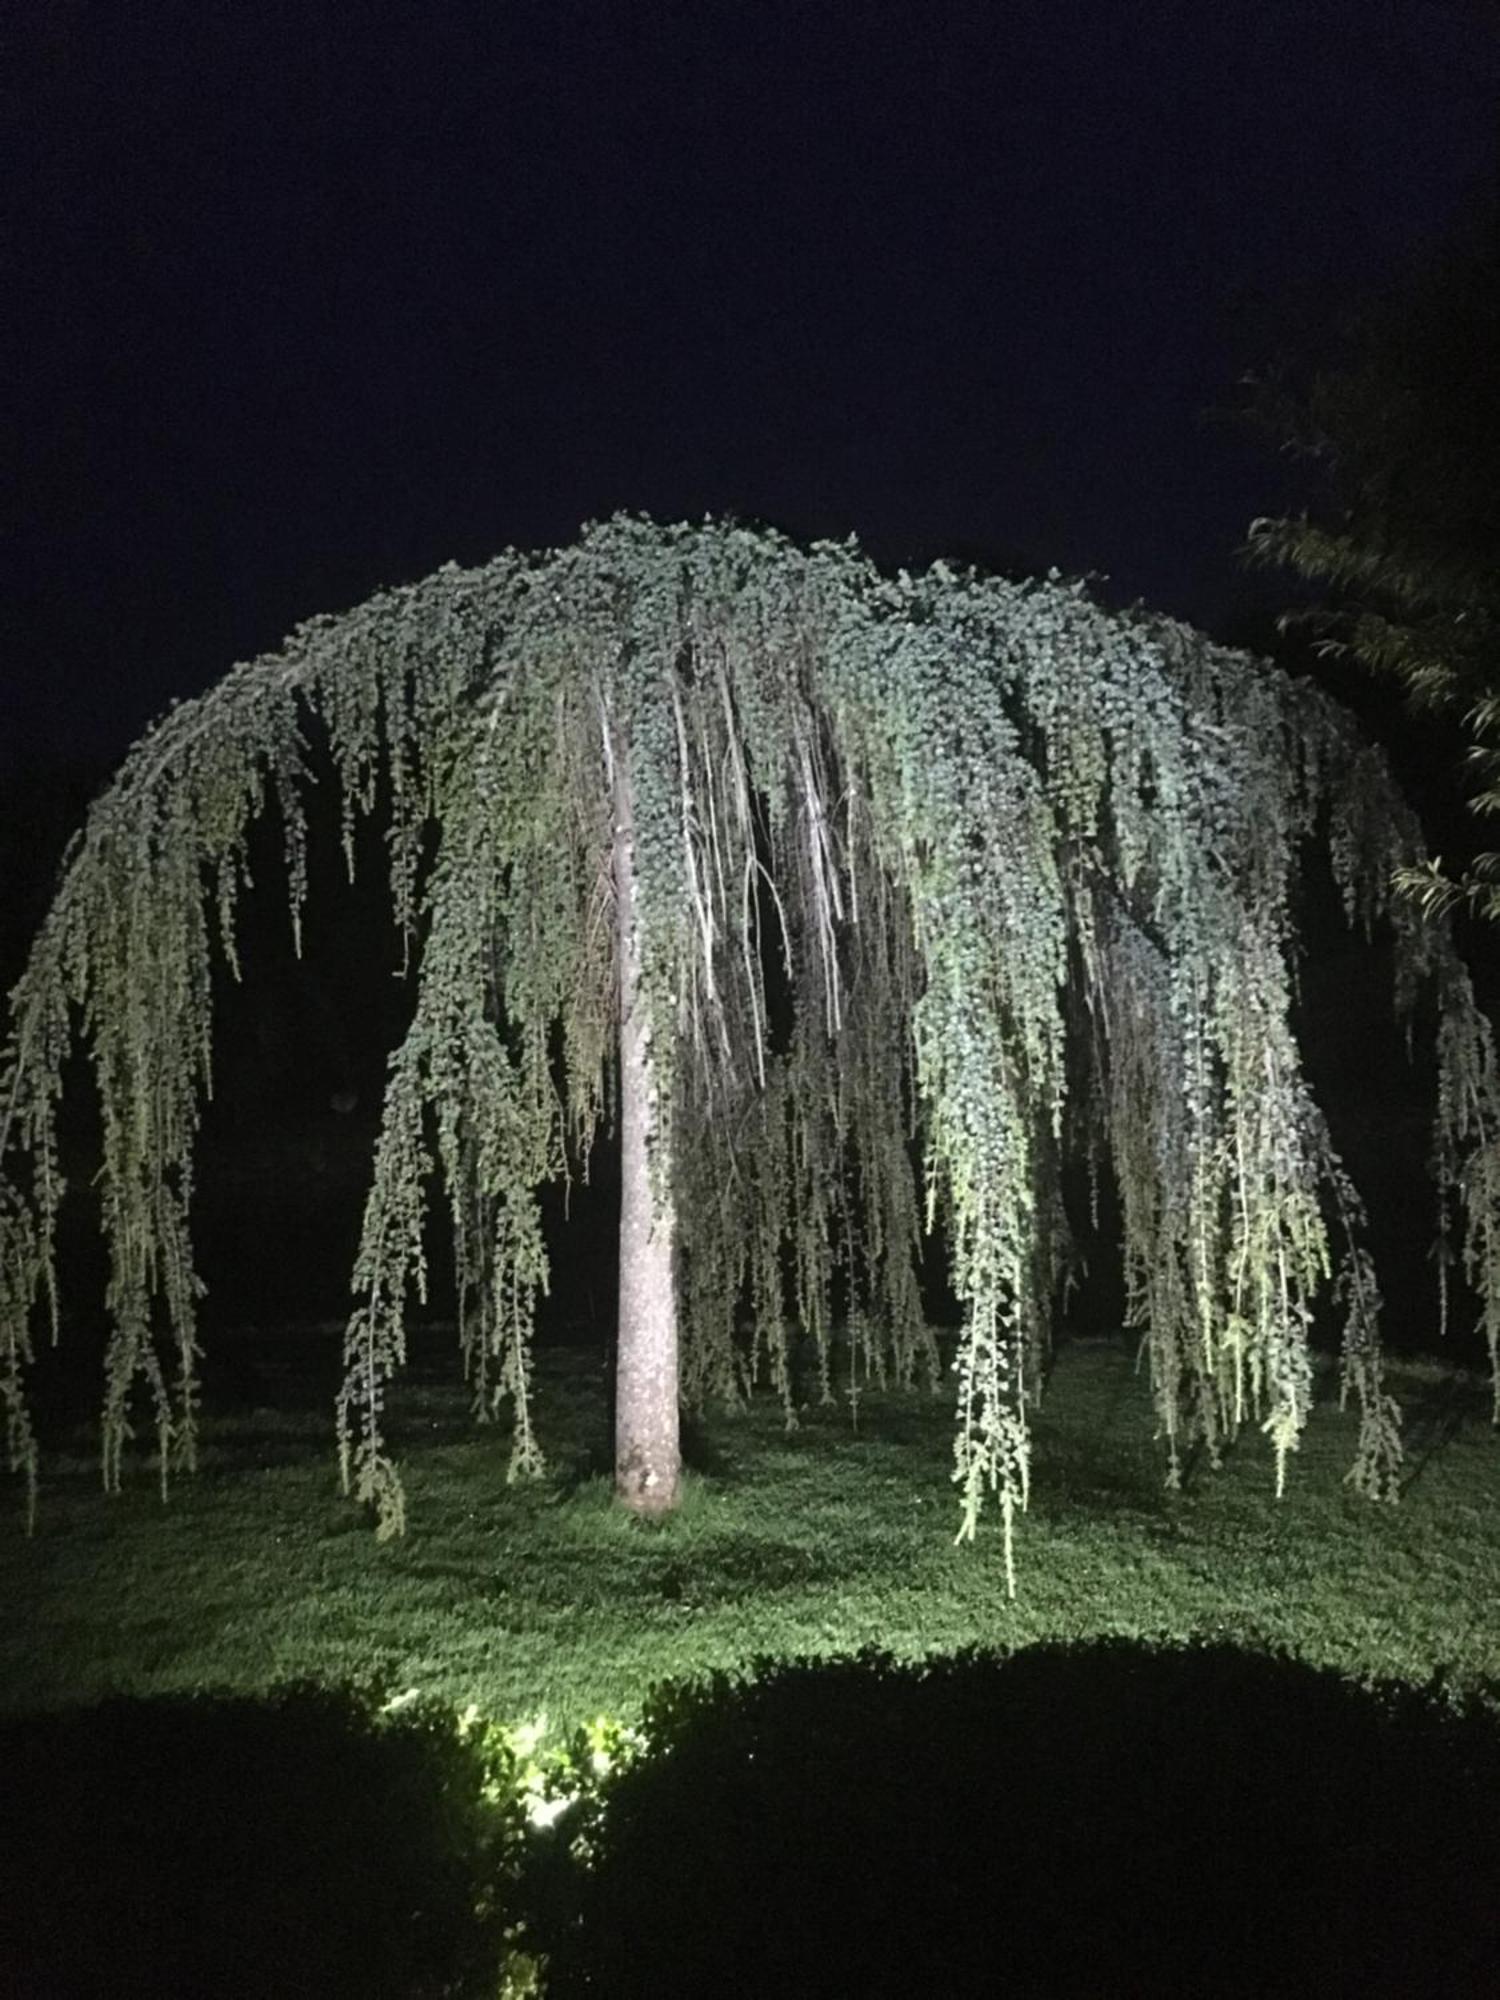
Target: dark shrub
(289, 1846)
(1105, 1819)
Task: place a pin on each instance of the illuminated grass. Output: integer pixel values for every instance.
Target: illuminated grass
(546, 1598)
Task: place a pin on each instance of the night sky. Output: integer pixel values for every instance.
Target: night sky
(301, 301)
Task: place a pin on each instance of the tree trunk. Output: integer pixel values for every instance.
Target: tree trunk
(647, 1457)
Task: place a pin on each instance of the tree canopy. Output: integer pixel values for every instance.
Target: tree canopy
(934, 882)
(1397, 424)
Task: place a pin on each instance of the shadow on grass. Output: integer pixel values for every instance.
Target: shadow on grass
(1109, 1818)
(286, 1846)
(592, 1456)
(1433, 1414)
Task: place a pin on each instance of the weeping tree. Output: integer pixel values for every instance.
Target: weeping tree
(860, 906)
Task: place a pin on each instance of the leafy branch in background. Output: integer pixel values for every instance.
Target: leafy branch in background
(1398, 428)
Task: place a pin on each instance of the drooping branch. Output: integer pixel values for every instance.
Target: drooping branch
(877, 827)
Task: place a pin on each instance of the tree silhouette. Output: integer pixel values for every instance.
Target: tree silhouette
(1397, 424)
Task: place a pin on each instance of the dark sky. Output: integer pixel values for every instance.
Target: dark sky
(302, 300)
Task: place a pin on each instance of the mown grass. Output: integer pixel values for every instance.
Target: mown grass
(545, 1598)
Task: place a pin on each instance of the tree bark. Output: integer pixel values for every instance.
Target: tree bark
(648, 1463)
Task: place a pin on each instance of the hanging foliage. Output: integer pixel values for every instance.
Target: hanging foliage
(933, 880)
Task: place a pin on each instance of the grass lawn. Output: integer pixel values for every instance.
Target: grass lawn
(544, 1598)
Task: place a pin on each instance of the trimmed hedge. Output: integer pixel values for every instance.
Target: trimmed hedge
(301, 1844)
(1104, 1818)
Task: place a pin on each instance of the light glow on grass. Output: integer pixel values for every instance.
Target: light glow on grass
(549, 1776)
(554, 1779)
